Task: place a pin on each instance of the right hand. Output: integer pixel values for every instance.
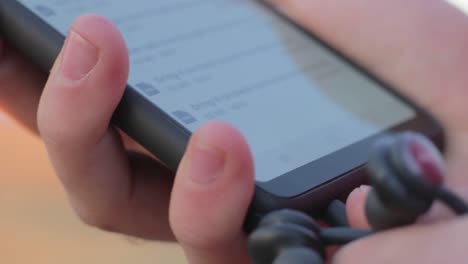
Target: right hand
(117, 189)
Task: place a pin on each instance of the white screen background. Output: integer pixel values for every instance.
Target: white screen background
(233, 60)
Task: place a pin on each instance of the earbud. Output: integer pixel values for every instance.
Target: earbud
(419, 164)
(298, 255)
(286, 235)
(406, 171)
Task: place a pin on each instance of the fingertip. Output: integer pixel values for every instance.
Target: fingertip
(216, 204)
(86, 83)
(95, 27)
(105, 35)
(355, 207)
(227, 138)
(219, 149)
(219, 133)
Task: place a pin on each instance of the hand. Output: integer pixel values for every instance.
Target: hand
(106, 185)
(119, 190)
(109, 180)
(129, 192)
(419, 47)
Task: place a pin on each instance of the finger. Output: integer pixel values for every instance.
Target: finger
(355, 207)
(105, 187)
(212, 192)
(21, 85)
(417, 244)
(418, 46)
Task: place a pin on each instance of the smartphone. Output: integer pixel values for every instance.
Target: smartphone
(308, 113)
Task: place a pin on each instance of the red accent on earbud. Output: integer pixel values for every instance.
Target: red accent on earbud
(429, 163)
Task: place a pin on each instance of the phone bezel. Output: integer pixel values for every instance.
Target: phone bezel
(165, 138)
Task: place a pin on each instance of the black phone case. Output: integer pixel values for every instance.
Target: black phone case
(158, 132)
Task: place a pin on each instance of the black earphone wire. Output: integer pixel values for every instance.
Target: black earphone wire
(342, 235)
(451, 200)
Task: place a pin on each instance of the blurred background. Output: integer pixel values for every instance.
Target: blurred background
(36, 223)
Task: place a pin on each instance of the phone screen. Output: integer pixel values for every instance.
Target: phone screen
(235, 60)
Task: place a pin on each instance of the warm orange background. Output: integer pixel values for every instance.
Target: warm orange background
(36, 224)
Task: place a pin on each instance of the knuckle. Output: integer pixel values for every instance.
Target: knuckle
(53, 135)
(101, 213)
(46, 131)
(99, 220)
(206, 241)
(57, 134)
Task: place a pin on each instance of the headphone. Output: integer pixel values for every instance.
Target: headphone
(407, 173)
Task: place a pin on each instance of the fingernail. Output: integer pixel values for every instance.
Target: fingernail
(365, 188)
(206, 163)
(79, 57)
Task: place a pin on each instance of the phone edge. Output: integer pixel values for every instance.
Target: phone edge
(135, 115)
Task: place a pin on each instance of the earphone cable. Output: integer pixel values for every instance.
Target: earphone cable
(342, 235)
(452, 201)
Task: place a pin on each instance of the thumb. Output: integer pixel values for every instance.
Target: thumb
(212, 191)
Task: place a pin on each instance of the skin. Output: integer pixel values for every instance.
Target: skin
(418, 46)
